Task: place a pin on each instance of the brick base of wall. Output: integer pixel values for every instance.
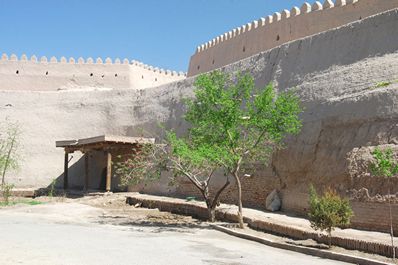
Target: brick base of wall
(199, 210)
(367, 215)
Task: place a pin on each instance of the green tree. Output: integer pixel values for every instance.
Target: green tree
(328, 211)
(386, 166)
(246, 124)
(231, 124)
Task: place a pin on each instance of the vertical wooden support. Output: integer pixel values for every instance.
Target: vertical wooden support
(86, 170)
(66, 161)
(108, 171)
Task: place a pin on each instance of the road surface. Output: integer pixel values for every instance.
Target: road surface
(71, 234)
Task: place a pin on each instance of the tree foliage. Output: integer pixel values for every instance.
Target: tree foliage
(239, 118)
(9, 157)
(328, 211)
(174, 154)
(384, 165)
(9, 147)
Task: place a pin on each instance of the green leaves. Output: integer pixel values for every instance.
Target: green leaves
(385, 164)
(9, 147)
(328, 211)
(234, 116)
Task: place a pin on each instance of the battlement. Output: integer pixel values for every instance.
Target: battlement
(281, 27)
(63, 74)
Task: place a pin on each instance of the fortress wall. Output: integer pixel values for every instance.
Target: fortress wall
(143, 76)
(48, 116)
(44, 75)
(335, 74)
(271, 31)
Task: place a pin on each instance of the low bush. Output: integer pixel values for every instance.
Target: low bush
(328, 211)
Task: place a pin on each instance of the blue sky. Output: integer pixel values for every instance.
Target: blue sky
(163, 33)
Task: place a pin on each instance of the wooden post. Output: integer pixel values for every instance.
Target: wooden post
(86, 171)
(108, 171)
(66, 161)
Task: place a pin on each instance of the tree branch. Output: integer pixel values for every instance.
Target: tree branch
(192, 178)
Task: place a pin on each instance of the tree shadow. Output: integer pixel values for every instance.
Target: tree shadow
(156, 226)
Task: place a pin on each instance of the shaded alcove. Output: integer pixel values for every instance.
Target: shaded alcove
(94, 170)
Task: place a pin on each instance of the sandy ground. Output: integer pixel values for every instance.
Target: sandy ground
(104, 230)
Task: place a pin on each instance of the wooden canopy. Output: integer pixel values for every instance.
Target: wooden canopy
(106, 143)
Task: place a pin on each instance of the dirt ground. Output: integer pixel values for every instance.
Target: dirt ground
(114, 210)
(117, 212)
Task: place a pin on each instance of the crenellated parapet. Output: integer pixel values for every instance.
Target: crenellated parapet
(281, 27)
(89, 60)
(157, 69)
(42, 73)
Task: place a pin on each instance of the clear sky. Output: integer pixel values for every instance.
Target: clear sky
(163, 33)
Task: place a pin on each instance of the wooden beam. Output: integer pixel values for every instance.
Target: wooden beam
(86, 170)
(66, 161)
(108, 171)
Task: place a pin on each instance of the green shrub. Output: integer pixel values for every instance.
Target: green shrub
(383, 84)
(328, 211)
(51, 190)
(6, 192)
(9, 148)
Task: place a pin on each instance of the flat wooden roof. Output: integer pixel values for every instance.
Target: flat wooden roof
(108, 139)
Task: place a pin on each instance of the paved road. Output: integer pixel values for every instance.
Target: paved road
(31, 238)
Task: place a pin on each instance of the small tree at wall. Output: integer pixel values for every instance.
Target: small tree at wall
(386, 166)
(9, 159)
(182, 159)
(240, 120)
(328, 211)
(9, 144)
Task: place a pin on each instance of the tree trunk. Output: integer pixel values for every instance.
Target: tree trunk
(330, 237)
(212, 214)
(391, 223)
(212, 205)
(239, 187)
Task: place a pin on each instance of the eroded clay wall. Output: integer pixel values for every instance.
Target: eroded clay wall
(336, 74)
(279, 28)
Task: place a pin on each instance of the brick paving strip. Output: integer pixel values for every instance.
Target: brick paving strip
(301, 249)
(275, 223)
